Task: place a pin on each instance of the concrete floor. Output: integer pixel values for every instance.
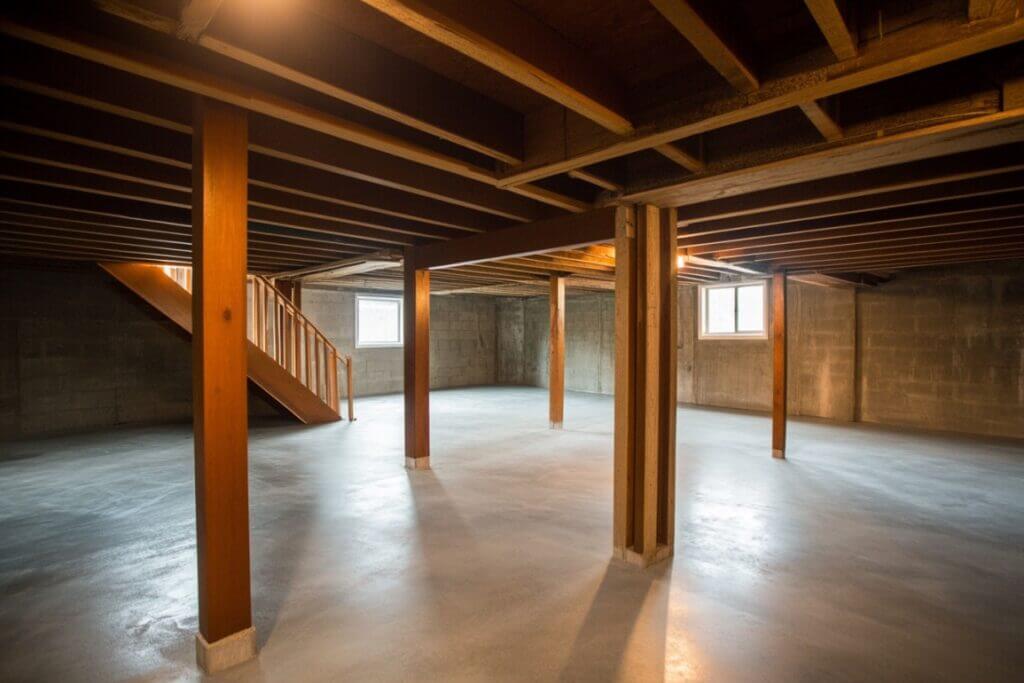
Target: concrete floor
(871, 554)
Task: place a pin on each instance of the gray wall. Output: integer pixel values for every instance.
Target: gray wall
(463, 341)
(966, 329)
(79, 351)
(738, 373)
(941, 349)
(589, 342)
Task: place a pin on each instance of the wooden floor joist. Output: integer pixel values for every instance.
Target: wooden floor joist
(267, 104)
(909, 51)
(396, 88)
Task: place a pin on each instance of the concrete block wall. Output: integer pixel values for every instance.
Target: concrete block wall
(738, 373)
(79, 351)
(463, 341)
(510, 319)
(589, 342)
(939, 348)
(965, 330)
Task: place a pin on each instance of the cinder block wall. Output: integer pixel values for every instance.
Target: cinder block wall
(79, 351)
(589, 342)
(964, 328)
(463, 341)
(940, 349)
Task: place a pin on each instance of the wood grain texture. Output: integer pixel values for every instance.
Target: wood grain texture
(822, 120)
(934, 141)
(244, 96)
(503, 37)
(645, 409)
(985, 9)
(220, 395)
(334, 63)
(417, 359)
(556, 351)
(683, 158)
(710, 43)
(625, 381)
(779, 365)
(916, 48)
(567, 231)
(829, 16)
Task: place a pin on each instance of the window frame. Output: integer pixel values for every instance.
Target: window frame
(702, 306)
(401, 322)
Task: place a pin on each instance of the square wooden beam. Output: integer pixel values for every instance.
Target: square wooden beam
(556, 353)
(219, 375)
(829, 15)
(645, 386)
(416, 341)
(564, 232)
(779, 365)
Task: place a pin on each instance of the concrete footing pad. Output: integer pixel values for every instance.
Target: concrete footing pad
(662, 553)
(417, 463)
(226, 652)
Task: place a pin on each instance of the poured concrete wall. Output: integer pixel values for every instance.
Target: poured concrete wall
(941, 349)
(463, 341)
(80, 351)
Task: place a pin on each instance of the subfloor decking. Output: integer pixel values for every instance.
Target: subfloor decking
(871, 554)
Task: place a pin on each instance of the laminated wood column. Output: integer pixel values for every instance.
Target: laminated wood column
(219, 177)
(417, 364)
(779, 365)
(645, 385)
(556, 353)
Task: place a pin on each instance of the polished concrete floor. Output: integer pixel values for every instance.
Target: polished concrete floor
(871, 554)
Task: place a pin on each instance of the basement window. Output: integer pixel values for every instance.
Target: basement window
(736, 311)
(378, 321)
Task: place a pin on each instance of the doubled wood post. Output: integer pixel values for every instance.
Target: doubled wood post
(219, 179)
(556, 353)
(417, 364)
(645, 384)
(779, 365)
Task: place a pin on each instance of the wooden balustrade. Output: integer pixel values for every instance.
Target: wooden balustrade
(281, 331)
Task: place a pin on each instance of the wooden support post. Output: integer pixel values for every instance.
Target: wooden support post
(645, 384)
(226, 635)
(417, 364)
(349, 388)
(779, 363)
(556, 353)
(297, 294)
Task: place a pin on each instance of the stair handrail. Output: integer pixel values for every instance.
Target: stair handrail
(289, 337)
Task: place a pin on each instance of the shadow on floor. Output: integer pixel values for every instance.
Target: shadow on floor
(627, 601)
(277, 557)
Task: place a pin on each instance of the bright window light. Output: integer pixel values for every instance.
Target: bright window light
(733, 311)
(378, 321)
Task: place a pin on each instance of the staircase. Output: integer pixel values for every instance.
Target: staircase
(289, 358)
